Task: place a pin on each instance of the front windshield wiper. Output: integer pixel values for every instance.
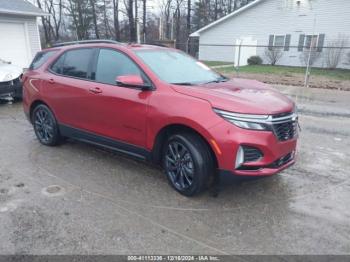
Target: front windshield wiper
(183, 84)
(218, 80)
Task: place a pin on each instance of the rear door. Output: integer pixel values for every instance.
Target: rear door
(68, 87)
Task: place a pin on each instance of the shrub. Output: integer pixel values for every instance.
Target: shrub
(309, 57)
(254, 60)
(273, 54)
(334, 52)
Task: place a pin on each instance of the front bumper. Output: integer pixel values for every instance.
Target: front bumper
(11, 88)
(277, 155)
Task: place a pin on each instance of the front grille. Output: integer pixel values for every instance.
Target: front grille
(6, 84)
(285, 126)
(251, 154)
(285, 131)
(281, 161)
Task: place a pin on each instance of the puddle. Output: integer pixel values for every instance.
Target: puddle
(53, 190)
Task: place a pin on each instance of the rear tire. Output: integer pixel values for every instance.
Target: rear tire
(188, 163)
(45, 126)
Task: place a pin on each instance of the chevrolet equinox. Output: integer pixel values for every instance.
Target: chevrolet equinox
(161, 105)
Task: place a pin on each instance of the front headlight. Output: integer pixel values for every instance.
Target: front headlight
(247, 121)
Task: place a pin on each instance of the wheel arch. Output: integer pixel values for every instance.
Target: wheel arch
(33, 105)
(169, 129)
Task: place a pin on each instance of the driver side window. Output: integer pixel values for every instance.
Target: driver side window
(111, 64)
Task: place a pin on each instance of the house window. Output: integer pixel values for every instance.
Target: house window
(311, 42)
(279, 41)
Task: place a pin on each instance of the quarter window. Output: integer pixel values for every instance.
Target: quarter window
(111, 64)
(40, 59)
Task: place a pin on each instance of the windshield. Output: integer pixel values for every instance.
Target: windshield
(178, 68)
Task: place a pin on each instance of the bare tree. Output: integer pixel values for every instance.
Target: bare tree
(309, 56)
(188, 18)
(105, 19)
(273, 54)
(45, 23)
(94, 17)
(335, 51)
(116, 19)
(177, 16)
(144, 20)
(348, 58)
(129, 6)
(81, 15)
(166, 15)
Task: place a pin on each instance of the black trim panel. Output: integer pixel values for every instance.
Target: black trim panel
(105, 142)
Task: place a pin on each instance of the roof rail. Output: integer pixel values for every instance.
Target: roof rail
(96, 41)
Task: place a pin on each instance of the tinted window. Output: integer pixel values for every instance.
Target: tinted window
(58, 65)
(40, 59)
(76, 63)
(111, 64)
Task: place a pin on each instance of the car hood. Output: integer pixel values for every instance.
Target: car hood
(9, 72)
(241, 96)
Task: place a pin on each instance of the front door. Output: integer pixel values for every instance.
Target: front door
(118, 112)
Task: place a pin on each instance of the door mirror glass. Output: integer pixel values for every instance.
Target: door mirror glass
(135, 81)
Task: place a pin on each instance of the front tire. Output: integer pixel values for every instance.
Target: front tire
(45, 126)
(188, 163)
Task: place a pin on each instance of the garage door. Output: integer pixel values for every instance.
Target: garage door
(13, 44)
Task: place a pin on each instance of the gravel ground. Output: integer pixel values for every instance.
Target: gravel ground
(76, 199)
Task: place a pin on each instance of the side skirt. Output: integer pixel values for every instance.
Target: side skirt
(105, 142)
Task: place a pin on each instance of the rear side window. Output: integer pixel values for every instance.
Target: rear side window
(40, 59)
(75, 63)
(111, 64)
(58, 65)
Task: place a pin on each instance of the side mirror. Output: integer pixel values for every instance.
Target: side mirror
(133, 81)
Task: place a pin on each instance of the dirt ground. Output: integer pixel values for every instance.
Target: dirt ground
(77, 199)
(315, 81)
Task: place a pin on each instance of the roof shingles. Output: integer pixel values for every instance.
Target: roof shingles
(20, 7)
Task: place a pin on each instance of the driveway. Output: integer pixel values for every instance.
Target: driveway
(76, 199)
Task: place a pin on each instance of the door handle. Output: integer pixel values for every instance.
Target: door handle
(51, 81)
(95, 90)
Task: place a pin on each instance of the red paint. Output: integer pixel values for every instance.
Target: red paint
(136, 117)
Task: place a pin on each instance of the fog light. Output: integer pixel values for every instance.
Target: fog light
(239, 157)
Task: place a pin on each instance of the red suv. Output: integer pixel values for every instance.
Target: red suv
(161, 105)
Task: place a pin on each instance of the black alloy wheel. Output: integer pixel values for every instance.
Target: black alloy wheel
(188, 163)
(45, 126)
(179, 165)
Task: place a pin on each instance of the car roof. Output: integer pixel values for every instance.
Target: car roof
(121, 46)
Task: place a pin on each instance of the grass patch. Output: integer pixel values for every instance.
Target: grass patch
(340, 74)
(216, 63)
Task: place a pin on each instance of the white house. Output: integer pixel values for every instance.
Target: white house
(19, 34)
(292, 25)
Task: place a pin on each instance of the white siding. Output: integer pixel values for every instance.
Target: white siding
(278, 17)
(31, 31)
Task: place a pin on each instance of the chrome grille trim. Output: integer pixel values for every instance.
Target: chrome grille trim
(264, 119)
